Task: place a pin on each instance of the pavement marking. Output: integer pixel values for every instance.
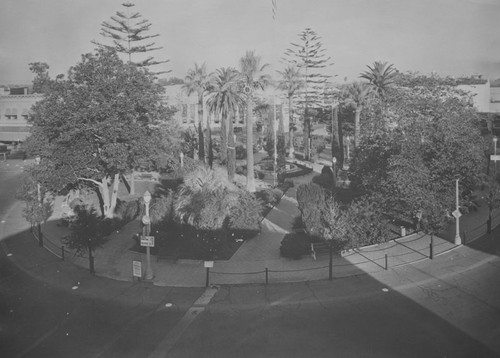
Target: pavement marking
(178, 330)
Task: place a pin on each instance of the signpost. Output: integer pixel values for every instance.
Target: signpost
(148, 241)
(137, 269)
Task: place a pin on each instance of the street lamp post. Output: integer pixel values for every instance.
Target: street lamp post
(495, 139)
(148, 275)
(39, 194)
(457, 214)
(334, 171)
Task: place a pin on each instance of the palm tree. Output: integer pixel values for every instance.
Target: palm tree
(197, 81)
(357, 96)
(291, 81)
(381, 77)
(253, 78)
(224, 100)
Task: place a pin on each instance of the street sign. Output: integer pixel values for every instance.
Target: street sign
(148, 241)
(136, 268)
(457, 214)
(209, 264)
(495, 157)
(146, 220)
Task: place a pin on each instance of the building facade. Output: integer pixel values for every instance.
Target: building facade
(15, 107)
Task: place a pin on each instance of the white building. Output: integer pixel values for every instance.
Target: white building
(15, 106)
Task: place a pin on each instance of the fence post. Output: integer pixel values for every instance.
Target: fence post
(267, 275)
(40, 235)
(207, 282)
(62, 252)
(464, 240)
(386, 262)
(330, 265)
(431, 248)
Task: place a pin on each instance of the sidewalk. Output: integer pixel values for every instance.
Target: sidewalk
(248, 265)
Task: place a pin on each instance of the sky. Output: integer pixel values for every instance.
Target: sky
(450, 37)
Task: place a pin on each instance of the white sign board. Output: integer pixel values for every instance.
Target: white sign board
(457, 214)
(495, 157)
(136, 268)
(209, 264)
(148, 241)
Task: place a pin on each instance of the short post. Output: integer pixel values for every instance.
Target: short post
(464, 238)
(267, 275)
(62, 253)
(207, 281)
(330, 264)
(386, 262)
(403, 231)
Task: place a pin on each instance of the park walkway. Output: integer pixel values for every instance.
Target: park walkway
(250, 263)
(256, 259)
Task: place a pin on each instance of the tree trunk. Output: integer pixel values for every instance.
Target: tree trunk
(114, 196)
(231, 150)
(307, 135)
(105, 196)
(357, 126)
(250, 163)
(223, 138)
(201, 140)
(335, 133)
(290, 130)
(341, 142)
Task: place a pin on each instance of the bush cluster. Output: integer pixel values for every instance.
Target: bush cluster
(294, 246)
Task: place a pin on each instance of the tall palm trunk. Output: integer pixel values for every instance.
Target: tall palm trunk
(307, 135)
(223, 137)
(201, 140)
(231, 150)
(357, 126)
(335, 132)
(290, 131)
(250, 161)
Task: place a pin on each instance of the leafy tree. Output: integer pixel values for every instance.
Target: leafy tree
(435, 139)
(291, 82)
(38, 205)
(492, 197)
(86, 234)
(102, 122)
(309, 56)
(42, 80)
(197, 81)
(130, 36)
(253, 78)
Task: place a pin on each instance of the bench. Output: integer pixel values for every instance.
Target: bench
(319, 248)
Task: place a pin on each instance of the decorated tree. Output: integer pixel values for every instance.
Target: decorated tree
(101, 123)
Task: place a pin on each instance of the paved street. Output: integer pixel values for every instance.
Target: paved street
(449, 306)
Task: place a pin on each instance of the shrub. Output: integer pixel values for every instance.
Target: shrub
(246, 214)
(161, 208)
(323, 180)
(241, 152)
(294, 245)
(126, 210)
(269, 196)
(311, 200)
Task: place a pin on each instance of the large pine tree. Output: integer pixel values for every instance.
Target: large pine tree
(130, 36)
(309, 56)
